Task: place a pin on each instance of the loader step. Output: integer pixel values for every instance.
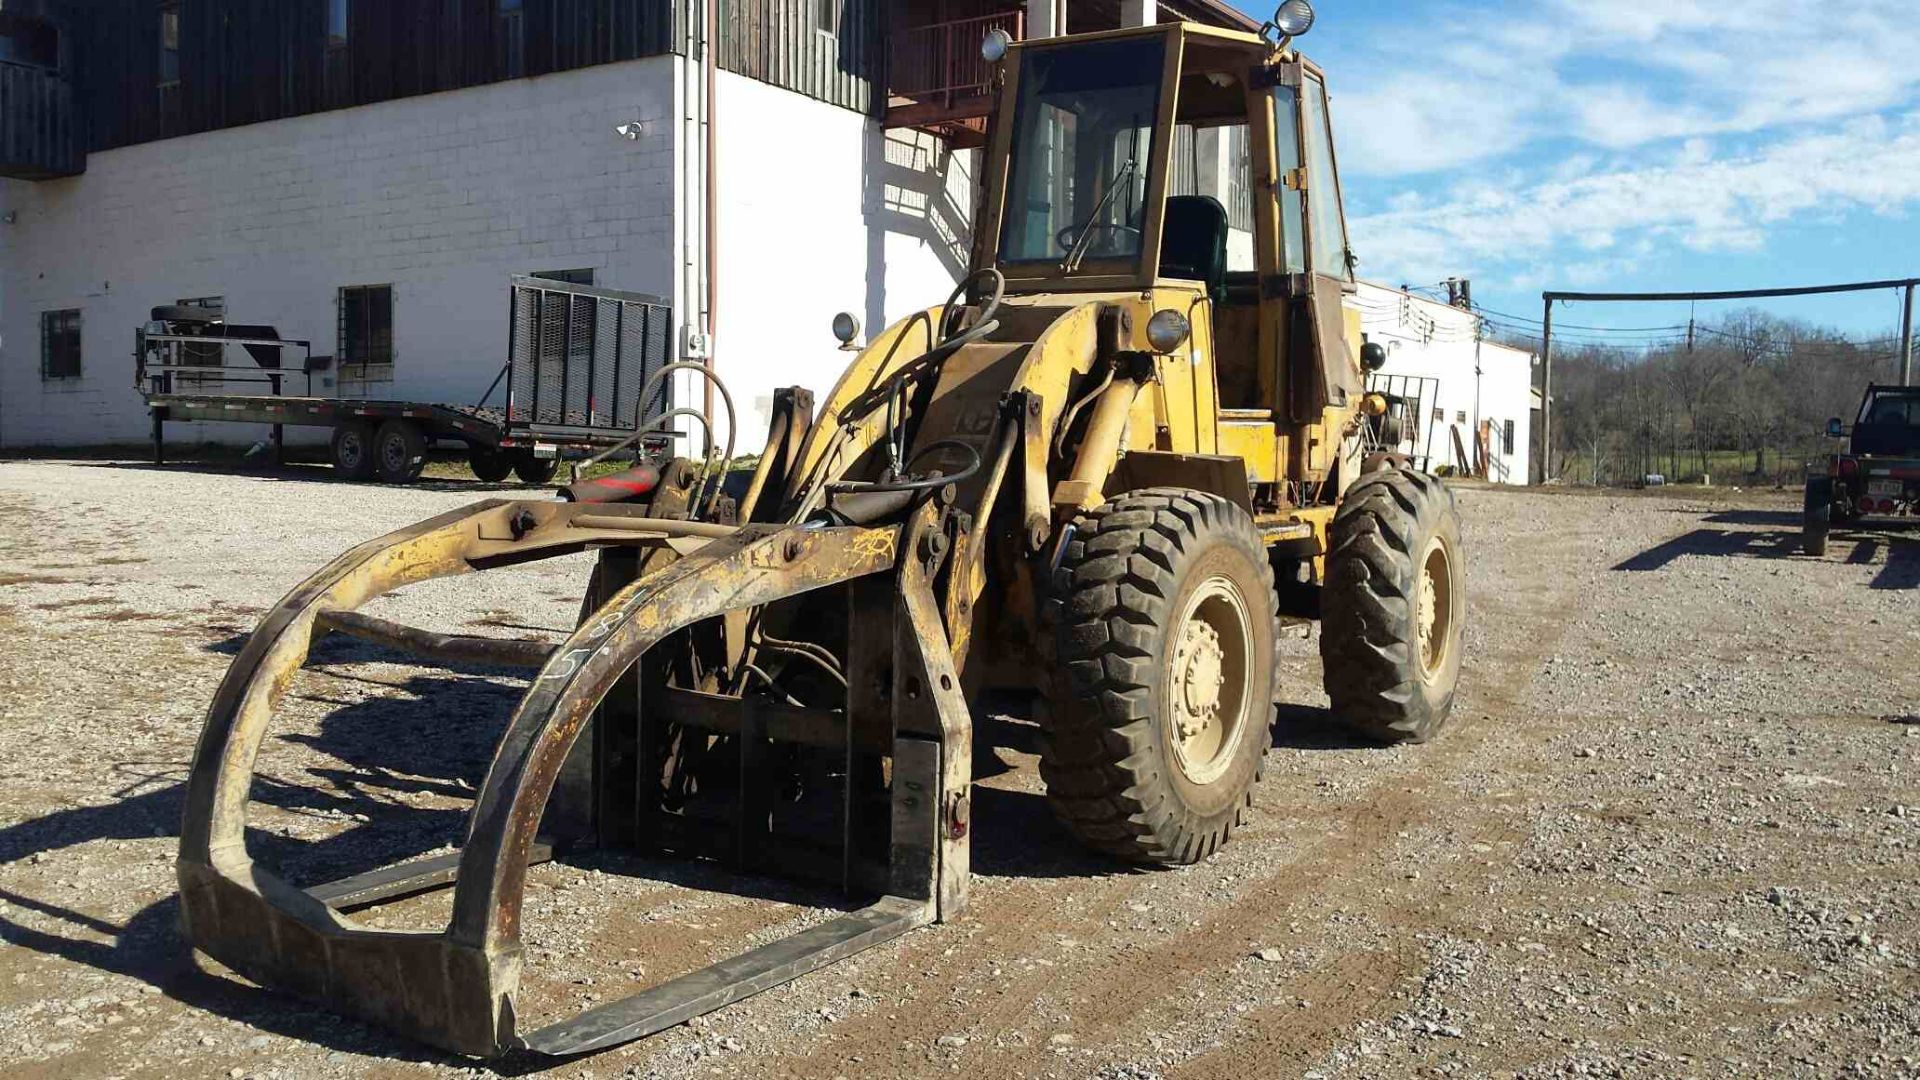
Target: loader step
(675, 1002)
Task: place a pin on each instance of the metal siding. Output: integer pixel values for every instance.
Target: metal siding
(38, 139)
(245, 61)
(775, 41)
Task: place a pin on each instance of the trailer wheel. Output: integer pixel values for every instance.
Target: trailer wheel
(1817, 519)
(400, 452)
(490, 464)
(353, 450)
(535, 470)
(1160, 720)
(1393, 606)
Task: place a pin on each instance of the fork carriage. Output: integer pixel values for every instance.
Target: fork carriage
(591, 714)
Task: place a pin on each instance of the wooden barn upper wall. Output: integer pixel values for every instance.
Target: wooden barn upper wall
(245, 61)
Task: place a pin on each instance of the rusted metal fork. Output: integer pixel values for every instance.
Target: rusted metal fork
(456, 988)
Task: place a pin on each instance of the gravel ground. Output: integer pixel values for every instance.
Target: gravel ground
(1672, 831)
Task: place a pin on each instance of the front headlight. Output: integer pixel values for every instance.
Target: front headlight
(1167, 330)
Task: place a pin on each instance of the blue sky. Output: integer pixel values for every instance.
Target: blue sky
(1631, 145)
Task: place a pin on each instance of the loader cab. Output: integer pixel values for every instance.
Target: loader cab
(1182, 156)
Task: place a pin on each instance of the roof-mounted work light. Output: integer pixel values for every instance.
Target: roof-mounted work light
(1291, 19)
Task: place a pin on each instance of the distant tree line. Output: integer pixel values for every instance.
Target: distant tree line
(1743, 400)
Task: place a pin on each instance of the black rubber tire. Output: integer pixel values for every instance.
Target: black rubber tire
(1387, 526)
(1108, 756)
(535, 470)
(490, 464)
(1816, 519)
(400, 452)
(352, 447)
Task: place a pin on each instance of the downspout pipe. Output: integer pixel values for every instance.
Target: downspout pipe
(710, 204)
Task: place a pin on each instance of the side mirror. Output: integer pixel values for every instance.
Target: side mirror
(1835, 429)
(1373, 356)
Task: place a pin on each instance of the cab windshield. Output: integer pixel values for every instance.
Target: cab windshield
(1083, 127)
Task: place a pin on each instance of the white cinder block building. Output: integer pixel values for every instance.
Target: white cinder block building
(367, 174)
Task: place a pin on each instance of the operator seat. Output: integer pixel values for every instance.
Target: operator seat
(1193, 245)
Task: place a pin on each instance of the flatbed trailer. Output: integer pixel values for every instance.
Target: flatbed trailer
(581, 376)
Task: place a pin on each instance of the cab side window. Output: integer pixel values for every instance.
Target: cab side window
(1293, 216)
(1329, 228)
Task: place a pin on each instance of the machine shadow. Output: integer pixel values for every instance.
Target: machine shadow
(375, 754)
(150, 948)
(1714, 542)
(1900, 571)
(1311, 727)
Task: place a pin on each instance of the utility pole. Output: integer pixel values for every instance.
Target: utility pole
(1546, 394)
(1906, 339)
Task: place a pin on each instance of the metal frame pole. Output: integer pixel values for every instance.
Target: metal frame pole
(1906, 339)
(1546, 392)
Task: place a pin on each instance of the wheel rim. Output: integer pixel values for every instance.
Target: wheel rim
(1435, 612)
(351, 452)
(393, 454)
(1208, 680)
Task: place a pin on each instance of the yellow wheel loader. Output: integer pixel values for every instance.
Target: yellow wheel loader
(1108, 473)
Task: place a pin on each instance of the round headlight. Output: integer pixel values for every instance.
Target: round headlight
(846, 327)
(1294, 17)
(994, 46)
(1167, 330)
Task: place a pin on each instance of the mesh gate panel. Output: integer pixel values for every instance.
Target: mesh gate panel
(579, 356)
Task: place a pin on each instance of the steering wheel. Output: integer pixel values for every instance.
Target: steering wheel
(1070, 236)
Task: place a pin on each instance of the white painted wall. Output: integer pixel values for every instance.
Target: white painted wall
(443, 196)
(822, 211)
(1477, 380)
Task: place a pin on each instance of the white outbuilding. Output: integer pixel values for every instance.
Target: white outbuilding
(1476, 397)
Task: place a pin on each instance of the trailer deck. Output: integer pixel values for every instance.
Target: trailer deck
(581, 375)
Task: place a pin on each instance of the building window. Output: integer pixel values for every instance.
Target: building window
(337, 74)
(571, 277)
(366, 325)
(169, 44)
(826, 16)
(1506, 438)
(29, 42)
(60, 344)
(510, 28)
(337, 24)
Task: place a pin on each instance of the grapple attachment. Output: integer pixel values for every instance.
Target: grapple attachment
(626, 722)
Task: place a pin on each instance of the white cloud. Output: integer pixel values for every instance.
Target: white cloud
(1613, 218)
(1458, 87)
